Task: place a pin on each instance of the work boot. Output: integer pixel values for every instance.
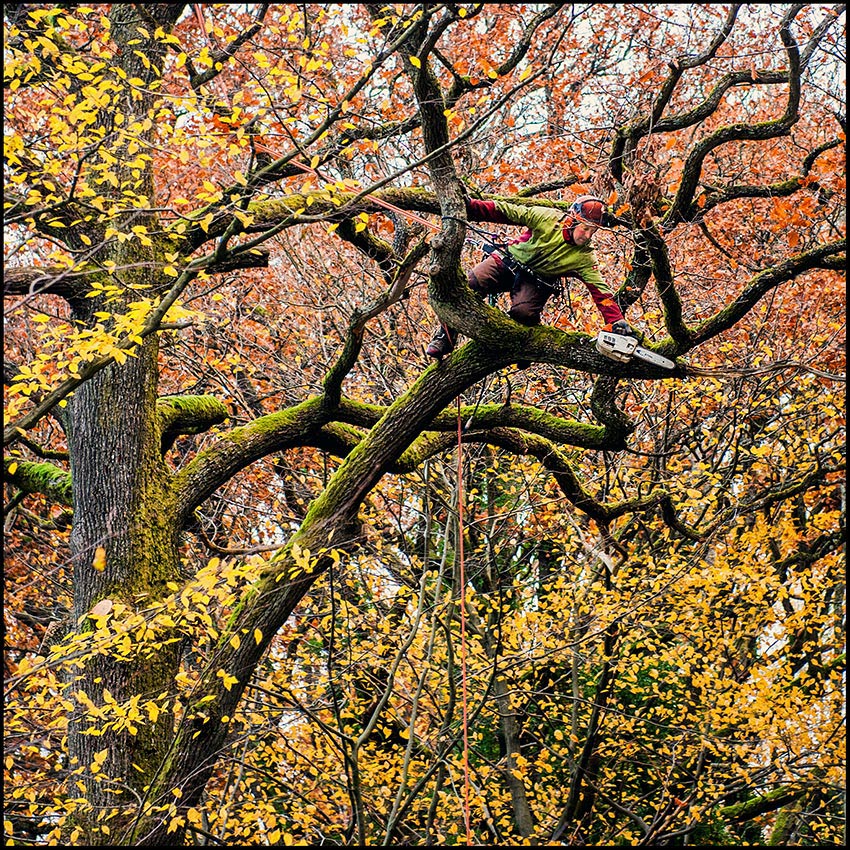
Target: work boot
(442, 342)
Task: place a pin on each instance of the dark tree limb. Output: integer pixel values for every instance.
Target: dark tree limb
(829, 255)
(680, 210)
(715, 195)
(220, 56)
(240, 447)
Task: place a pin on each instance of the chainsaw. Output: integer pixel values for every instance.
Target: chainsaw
(624, 348)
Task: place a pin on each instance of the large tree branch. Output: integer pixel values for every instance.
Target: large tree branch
(45, 478)
(183, 414)
(480, 417)
(716, 195)
(70, 284)
(323, 207)
(670, 300)
(758, 131)
(627, 137)
(683, 338)
(237, 449)
(74, 284)
(677, 68)
(828, 255)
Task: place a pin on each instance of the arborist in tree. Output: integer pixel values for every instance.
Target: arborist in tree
(555, 245)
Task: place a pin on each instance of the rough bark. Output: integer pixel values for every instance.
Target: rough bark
(122, 505)
(123, 501)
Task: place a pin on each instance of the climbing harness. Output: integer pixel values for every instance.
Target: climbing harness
(493, 247)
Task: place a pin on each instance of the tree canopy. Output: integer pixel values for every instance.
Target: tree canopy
(272, 576)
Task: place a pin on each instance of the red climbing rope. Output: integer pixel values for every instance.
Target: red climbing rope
(375, 200)
(462, 581)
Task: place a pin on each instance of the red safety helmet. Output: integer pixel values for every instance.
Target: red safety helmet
(591, 209)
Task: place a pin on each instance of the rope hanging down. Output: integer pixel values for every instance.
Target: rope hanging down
(462, 582)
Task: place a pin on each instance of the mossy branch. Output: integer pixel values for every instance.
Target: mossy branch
(188, 414)
(768, 802)
(762, 283)
(240, 447)
(716, 195)
(45, 478)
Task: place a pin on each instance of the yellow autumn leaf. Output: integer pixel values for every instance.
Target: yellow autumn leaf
(227, 680)
(99, 562)
(415, 61)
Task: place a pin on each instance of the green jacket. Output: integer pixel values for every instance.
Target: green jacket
(546, 247)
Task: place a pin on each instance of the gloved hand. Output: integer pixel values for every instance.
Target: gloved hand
(623, 328)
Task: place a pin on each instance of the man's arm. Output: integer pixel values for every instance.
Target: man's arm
(477, 210)
(602, 296)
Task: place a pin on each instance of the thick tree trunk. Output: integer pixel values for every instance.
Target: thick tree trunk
(121, 499)
(124, 539)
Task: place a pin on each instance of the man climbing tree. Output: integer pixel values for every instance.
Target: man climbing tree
(555, 245)
(237, 544)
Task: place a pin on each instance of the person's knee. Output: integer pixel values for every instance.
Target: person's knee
(475, 285)
(524, 314)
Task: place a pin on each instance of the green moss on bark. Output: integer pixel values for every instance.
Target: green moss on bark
(53, 482)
